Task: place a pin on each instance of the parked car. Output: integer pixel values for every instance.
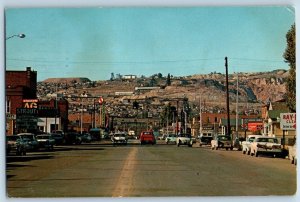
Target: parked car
(73, 138)
(184, 139)
(46, 141)
(246, 144)
(205, 139)
(119, 138)
(293, 154)
(59, 138)
(222, 141)
(30, 139)
(171, 138)
(147, 137)
(265, 145)
(86, 137)
(237, 143)
(15, 143)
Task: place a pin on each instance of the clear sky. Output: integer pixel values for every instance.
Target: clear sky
(95, 42)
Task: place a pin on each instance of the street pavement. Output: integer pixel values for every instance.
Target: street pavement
(101, 170)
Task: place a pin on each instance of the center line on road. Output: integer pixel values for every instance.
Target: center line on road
(124, 185)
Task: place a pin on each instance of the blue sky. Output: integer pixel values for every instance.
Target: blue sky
(95, 42)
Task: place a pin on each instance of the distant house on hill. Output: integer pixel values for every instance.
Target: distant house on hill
(129, 77)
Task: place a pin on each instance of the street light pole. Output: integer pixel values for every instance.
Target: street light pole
(20, 36)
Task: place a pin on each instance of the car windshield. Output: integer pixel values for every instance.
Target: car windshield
(224, 137)
(12, 138)
(184, 135)
(56, 135)
(120, 135)
(251, 139)
(43, 137)
(30, 137)
(271, 140)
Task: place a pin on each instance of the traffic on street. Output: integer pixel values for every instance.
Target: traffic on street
(102, 169)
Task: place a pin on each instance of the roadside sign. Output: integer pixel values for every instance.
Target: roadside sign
(288, 121)
(101, 100)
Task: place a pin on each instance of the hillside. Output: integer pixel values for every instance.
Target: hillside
(210, 88)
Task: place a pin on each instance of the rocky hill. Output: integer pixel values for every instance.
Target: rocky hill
(255, 88)
(67, 80)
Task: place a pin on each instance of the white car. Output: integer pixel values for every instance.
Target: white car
(184, 139)
(246, 144)
(293, 154)
(265, 145)
(119, 138)
(171, 138)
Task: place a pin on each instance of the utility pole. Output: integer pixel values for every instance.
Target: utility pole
(227, 99)
(237, 107)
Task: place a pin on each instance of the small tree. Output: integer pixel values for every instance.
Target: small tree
(168, 80)
(290, 57)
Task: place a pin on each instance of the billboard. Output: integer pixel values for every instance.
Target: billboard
(288, 121)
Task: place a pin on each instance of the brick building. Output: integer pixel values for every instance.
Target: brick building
(19, 85)
(21, 96)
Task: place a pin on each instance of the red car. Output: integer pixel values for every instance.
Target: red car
(147, 137)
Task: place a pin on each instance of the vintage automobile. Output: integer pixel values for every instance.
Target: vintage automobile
(170, 138)
(293, 154)
(59, 138)
(32, 143)
(15, 143)
(119, 138)
(184, 139)
(73, 138)
(265, 145)
(46, 141)
(205, 138)
(147, 137)
(86, 137)
(246, 144)
(222, 141)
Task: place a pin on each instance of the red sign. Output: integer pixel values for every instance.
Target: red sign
(255, 126)
(101, 100)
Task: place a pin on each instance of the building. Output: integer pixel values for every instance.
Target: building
(53, 115)
(19, 86)
(271, 122)
(24, 112)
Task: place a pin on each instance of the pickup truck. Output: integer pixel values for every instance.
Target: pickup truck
(222, 141)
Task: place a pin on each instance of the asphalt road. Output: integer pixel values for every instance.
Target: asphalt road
(100, 170)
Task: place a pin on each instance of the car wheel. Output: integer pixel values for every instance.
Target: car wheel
(256, 154)
(244, 152)
(231, 148)
(216, 148)
(248, 152)
(167, 142)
